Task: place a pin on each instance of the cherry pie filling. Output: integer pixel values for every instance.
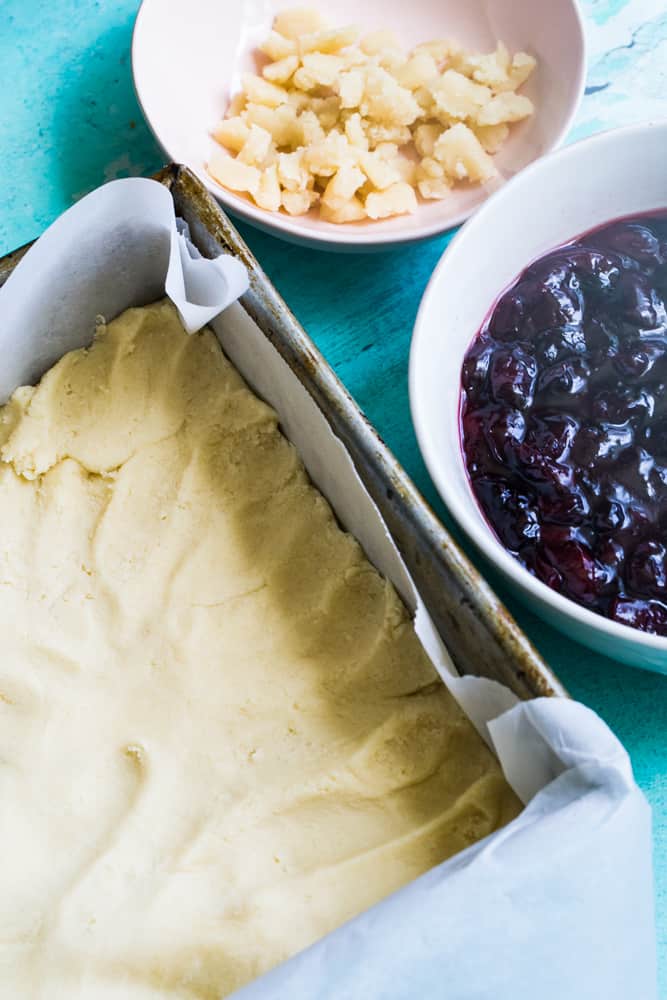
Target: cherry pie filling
(564, 420)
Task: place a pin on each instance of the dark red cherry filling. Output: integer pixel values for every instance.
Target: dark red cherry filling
(564, 420)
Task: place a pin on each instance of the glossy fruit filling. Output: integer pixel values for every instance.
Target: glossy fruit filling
(564, 420)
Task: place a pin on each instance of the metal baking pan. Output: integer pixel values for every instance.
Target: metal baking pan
(481, 636)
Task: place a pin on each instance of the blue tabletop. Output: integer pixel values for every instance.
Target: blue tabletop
(69, 121)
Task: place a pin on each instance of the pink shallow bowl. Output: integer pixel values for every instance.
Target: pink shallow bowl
(610, 175)
(186, 60)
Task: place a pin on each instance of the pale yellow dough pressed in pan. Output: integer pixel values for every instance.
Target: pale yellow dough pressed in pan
(219, 735)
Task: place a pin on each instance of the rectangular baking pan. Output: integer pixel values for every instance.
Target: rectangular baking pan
(481, 636)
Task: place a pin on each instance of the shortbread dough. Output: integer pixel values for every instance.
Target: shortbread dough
(219, 735)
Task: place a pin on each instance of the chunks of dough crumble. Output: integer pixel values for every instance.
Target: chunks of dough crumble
(338, 103)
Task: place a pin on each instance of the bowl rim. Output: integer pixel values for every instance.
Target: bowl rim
(340, 237)
(467, 516)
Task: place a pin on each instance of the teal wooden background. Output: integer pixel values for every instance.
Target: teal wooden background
(69, 121)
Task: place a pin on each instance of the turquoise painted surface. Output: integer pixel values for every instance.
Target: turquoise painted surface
(69, 121)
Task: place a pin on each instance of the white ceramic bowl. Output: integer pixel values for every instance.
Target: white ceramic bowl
(186, 60)
(556, 199)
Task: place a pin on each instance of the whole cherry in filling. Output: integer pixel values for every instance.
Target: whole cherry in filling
(564, 420)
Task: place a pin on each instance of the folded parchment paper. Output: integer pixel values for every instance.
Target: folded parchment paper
(556, 906)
